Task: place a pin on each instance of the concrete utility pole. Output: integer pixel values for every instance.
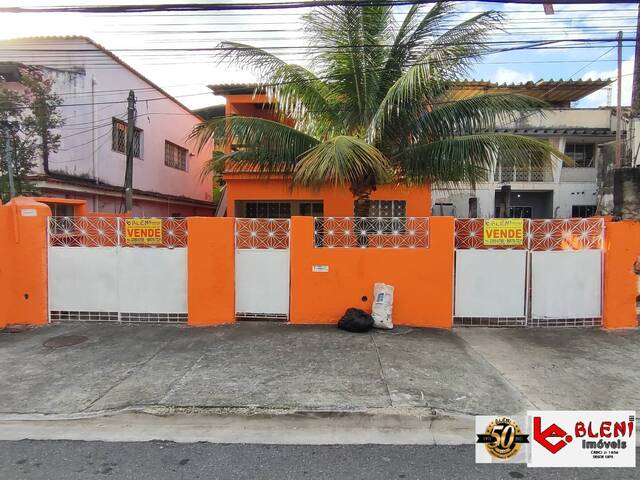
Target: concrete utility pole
(128, 175)
(618, 161)
(635, 94)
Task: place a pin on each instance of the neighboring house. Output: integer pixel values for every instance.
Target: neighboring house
(90, 163)
(561, 191)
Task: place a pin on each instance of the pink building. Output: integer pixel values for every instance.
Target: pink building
(90, 163)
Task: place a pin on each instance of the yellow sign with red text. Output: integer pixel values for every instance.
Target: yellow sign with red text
(504, 231)
(143, 231)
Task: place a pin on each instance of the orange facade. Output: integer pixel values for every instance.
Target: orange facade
(336, 201)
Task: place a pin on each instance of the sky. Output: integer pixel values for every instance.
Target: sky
(186, 74)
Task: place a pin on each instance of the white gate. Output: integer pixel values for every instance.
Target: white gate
(566, 272)
(100, 271)
(553, 279)
(262, 268)
(490, 282)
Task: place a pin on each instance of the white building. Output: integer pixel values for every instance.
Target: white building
(90, 163)
(557, 192)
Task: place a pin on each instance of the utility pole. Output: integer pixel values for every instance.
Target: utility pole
(618, 161)
(8, 158)
(128, 175)
(635, 94)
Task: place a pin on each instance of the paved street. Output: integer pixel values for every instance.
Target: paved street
(29, 460)
(83, 368)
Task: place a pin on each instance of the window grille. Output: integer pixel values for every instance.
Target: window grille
(371, 232)
(175, 156)
(119, 138)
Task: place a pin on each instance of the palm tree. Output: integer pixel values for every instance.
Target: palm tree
(376, 105)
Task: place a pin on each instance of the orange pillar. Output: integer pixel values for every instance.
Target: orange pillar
(211, 271)
(622, 249)
(23, 262)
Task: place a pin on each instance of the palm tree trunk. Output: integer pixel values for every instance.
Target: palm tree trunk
(361, 205)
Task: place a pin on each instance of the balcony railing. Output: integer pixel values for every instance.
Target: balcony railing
(510, 173)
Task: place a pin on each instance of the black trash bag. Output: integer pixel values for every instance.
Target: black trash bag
(356, 320)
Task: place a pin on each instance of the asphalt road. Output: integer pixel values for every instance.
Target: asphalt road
(53, 460)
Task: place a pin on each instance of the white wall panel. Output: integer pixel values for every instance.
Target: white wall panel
(566, 284)
(83, 279)
(490, 283)
(262, 281)
(152, 280)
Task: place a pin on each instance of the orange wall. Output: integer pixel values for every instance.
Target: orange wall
(23, 262)
(622, 248)
(211, 271)
(422, 277)
(338, 202)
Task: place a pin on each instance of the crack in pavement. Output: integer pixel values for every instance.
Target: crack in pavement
(382, 375)
(128, 374)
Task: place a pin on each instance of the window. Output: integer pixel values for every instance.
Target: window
(175, 156)
(583, 211)
(268, 210)
(520, 212)
(388, 208)
(583, 154)
(119, 138)
(311, 209)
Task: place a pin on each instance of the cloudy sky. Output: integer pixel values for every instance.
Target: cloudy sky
(186, 73)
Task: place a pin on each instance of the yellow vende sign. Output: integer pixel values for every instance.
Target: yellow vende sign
(143, 231)
(504, 231)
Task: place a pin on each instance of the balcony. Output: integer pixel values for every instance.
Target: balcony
(510, 174)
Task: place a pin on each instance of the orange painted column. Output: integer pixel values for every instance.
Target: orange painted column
(622, 249)
(23, 262)
(422, 278)
(211, 271)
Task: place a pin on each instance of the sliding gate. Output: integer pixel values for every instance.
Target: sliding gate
(117, 269)
(554, 278)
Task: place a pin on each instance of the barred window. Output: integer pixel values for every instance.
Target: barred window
(119, 138)
(175, 156)
(388, 208)
(396, 209)
(583, 154)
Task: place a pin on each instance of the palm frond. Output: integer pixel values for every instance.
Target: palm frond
(298, 93)
(342, 161)
(470, 158)
(259, 144)
(472, 114)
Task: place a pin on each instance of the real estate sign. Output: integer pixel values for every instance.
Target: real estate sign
(143, 231)
(504, 231)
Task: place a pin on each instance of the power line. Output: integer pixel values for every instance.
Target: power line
(193, 7)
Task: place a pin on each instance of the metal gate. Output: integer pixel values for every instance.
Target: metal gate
(100, 271)
(553, 279)
(262, 268)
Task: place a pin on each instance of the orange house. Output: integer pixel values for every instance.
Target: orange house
(252, 196)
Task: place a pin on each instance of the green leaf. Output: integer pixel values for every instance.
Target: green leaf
(342, 161)
(469, 158)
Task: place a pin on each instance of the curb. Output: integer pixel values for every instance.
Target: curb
(413, 426)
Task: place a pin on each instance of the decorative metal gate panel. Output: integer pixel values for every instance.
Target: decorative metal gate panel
(262, 268)
(98, 272)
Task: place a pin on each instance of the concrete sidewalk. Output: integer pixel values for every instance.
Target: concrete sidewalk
(281, 368)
